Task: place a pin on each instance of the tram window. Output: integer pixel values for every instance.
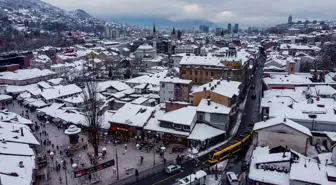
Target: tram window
(225, 153)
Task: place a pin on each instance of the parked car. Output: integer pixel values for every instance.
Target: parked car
(178, 148)
(173, 168)
(232, 178)
(253, 96)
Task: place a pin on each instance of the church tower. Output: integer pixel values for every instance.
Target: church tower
(154, 38)
(290, 19)
(173, 35)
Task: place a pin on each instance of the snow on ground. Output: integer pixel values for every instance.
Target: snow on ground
(311, 151)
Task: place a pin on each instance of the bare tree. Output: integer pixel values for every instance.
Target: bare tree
(327, 57)
(92, 113)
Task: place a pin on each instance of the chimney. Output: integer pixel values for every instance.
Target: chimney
(211, 79)
(284, 119)
(21, 129)
(209, 101)
(284, 153)
(326, 162)
(21, 164)
(228, 79)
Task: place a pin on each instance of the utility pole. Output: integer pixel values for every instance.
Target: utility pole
(65, 172)
(117, 163)
(153, 156)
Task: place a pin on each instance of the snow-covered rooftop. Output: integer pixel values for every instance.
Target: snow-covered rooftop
(201, 132)
(23, 74)
(132, 115)
(201, 60)
(59, 91)
(214, 107)
(183, 116)
(222, 87)
(175, 80)
(154, 125)
(11, 132)
(284, 121)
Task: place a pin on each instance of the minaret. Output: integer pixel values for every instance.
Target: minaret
(154, 39)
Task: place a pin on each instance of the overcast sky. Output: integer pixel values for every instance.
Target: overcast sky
(244, 12)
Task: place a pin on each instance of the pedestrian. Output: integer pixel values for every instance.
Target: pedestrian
(82, 140)
(164, 160)
(136, 174)
(40, 134)
(60, 180)
(71, 160)
(125, 146)
(60, 152)
(52, 145)
(56, 147)
(91, 160)
(141, 159)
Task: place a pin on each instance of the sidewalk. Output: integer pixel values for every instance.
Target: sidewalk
(232, 133)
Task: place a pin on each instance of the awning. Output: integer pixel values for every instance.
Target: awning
(202, 132)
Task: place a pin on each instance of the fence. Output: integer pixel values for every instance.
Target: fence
(142, 175)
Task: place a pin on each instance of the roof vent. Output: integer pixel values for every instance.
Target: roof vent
(211, 79)
(21, 164)
(284, 119)
(3, 140)
(21, 129)
(313, 116)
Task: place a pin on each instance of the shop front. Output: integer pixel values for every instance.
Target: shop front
(123, 131)
(167, 138)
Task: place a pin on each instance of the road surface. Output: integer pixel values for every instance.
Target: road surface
(250, 116)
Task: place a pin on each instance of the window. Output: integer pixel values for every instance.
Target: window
(178, 127)
(212, 74)
(206, 73)
(195, 80)
(186, 127)
(196, 72)
(201, 73)
(183, 72)
(200, 117)
(163, 85)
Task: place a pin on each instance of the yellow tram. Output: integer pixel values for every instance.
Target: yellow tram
(228, 150)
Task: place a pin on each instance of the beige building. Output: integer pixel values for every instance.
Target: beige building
(282, 132)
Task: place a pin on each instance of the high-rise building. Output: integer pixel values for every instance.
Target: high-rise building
(229, 27)
(218, 31)
(290, 19)
(236, 28)
(154, 39)
(204, 28)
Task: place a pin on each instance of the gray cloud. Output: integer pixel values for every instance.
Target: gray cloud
(245, 12)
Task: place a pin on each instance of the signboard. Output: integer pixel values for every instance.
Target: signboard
(93, 169)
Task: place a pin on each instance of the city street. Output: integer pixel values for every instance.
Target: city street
(127, 162)
(250, 116)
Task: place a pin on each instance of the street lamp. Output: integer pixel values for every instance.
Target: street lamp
(65, 172)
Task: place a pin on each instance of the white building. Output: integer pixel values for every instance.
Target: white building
(282, 132)
(145, 50)
(178, 57)
(191, 49)
(174, 89)
(60, 92)
(288, 168)
(41, 62)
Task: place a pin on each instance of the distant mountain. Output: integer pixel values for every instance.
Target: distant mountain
(162, 22)
(82, 14)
